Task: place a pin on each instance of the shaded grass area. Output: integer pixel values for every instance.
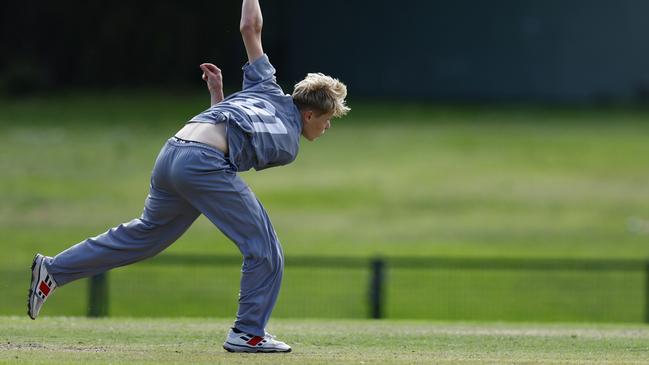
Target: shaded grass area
(443, 294)
(198, 341)
(390, 180)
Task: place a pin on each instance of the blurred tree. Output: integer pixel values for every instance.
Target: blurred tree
(108, 44)
(557, 51)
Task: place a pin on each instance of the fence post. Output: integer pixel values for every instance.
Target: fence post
(98, 295)
(646, 292)
(377, 276)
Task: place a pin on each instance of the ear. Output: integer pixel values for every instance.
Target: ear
(307, 115)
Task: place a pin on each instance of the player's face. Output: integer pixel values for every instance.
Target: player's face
(314, 125)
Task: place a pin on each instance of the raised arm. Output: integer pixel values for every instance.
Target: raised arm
(250, 27)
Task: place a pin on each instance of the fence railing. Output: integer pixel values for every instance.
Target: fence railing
(98, 300)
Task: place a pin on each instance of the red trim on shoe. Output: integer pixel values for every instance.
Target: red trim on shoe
(255, 340)
(44, 288)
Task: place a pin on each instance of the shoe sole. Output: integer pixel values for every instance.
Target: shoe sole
(240, 348)
(36, 272)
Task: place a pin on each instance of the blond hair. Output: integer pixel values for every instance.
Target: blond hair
(321, 93)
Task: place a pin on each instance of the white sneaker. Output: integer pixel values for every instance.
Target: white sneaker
(41, 288)
(239, 341)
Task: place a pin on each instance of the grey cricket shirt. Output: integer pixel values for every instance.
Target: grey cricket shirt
(264, 125)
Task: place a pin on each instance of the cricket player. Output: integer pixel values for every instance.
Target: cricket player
(196, 173)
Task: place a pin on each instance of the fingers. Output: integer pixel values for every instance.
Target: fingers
(210, 67)
(212, 76)
(211, 73)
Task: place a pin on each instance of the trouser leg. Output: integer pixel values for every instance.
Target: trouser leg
(165, 218)
(245, 221)
(225, 199)
(261, 280)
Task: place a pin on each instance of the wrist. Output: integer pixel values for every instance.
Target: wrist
(216, 97)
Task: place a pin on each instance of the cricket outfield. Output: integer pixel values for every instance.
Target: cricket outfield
(392, 179)
(70, 340)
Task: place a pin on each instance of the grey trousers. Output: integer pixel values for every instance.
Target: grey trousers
(189, 179)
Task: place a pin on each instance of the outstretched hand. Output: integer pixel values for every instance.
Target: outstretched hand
(212, 76)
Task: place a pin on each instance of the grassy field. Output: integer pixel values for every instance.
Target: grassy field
(391, 179)
(198, 341)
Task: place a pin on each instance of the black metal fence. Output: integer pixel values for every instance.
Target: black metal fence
(378, 267)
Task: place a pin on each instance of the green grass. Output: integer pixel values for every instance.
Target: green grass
(391, 180)
(66, 340)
